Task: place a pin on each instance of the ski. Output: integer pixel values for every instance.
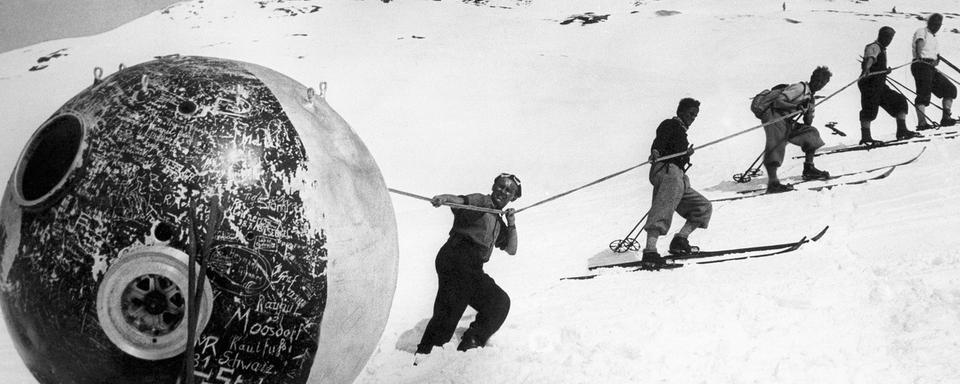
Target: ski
(761, 191)
(631, 269)
(733, 251)
(889, 143)
(776, 249)
(635, 266)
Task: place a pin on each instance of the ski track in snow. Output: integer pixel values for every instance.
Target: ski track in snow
(435, 88)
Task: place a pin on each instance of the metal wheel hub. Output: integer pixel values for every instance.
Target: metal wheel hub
(153, 304)
(142, 303)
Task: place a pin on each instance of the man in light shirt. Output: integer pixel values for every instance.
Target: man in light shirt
(798, 96)
(926, 53)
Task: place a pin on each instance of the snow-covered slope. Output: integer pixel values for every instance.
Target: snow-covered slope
(437, 88)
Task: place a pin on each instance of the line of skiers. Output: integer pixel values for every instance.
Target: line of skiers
(674, 194)
(473, 236)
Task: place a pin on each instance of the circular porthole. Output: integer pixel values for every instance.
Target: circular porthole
(48, 159)
(187, 108)
(163, 231)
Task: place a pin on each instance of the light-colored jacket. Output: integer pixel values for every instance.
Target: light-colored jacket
(795, 96)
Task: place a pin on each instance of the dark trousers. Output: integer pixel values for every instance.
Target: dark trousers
(875, 94)
(462, 282)
(928, 81)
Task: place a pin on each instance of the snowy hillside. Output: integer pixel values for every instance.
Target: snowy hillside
(446, 95)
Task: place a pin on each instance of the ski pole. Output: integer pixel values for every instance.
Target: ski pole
(453, 205)
(748, 175)
(894, 83)
(619, 246)
(949, 78)
(188, 359)
(949, 64)
(944, 74)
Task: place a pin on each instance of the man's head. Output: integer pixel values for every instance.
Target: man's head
(885, 36)
(687, 110)
(506, 188)
(819, 78)
(934, 22)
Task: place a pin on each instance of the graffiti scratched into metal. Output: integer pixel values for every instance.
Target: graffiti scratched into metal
(158, 136)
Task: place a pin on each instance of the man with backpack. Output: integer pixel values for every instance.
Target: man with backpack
(874, 92)
(771, 106)
(671, 187)
(926, 56)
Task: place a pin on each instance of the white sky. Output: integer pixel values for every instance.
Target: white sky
(26, 22)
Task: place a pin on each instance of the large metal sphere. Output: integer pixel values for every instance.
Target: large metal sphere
(97, 220)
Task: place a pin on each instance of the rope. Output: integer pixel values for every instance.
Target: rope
(453, 205)
(605, 178)
(668, 157)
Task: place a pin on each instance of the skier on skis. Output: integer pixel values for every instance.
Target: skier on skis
(671, 187)
(926, 56)
(459, 265)
(799, 96)
(874, 92)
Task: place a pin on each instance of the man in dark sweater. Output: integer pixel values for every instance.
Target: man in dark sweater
(459, 264)
(874, 92)
(671, 186)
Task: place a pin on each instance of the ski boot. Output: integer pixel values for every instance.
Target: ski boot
(947, 121)
(868, 142)
(907, 134)
(651, 261)
(680, 246)
(925, 126)
(468, 342)
(778, 188)
(812, 173)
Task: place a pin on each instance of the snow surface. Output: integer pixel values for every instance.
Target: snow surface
(446, 95)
